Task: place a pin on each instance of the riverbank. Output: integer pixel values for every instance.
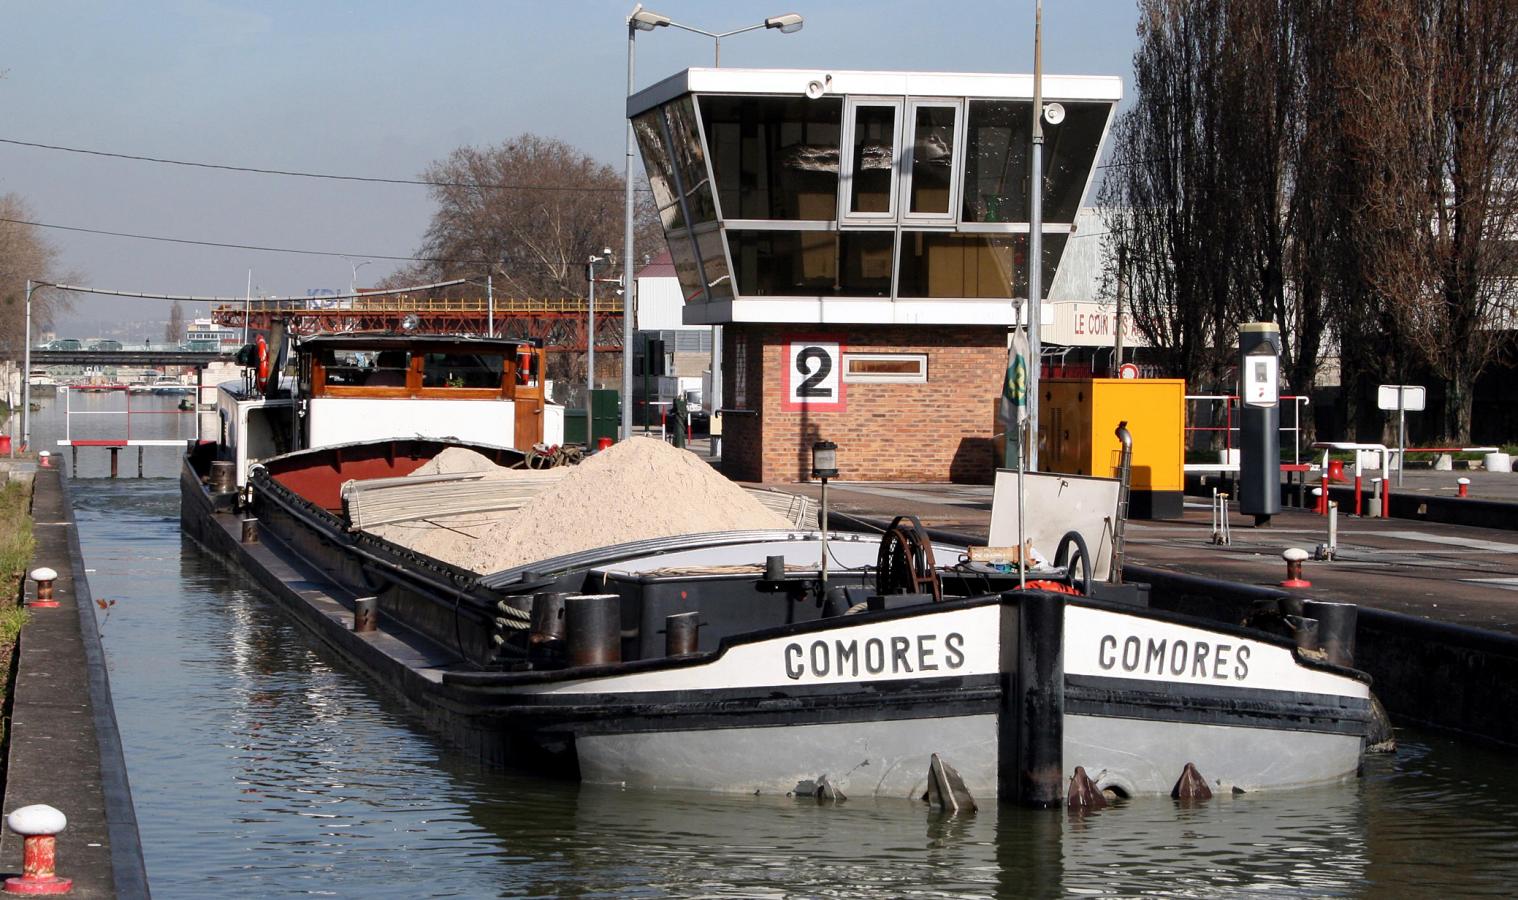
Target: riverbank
(65, 750)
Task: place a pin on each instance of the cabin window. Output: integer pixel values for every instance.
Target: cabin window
(367, 368)
(462, 370)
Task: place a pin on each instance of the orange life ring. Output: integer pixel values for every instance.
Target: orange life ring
(1058, 587)
(263, 360)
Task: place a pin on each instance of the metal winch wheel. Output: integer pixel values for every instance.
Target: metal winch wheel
(905, 564)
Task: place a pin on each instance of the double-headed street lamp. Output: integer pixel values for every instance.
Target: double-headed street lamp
(641, 19)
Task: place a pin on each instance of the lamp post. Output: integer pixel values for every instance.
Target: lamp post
(641, 19)
(26, 375)
(824, 467)
(353, 283)
(590, 329)
(1036, 240)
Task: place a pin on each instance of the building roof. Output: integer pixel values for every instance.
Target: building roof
(821, 83)
(661, 266)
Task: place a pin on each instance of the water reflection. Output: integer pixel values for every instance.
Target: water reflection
(262, 767)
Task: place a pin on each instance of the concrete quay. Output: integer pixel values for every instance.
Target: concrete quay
(1438, 620)
(65, 750)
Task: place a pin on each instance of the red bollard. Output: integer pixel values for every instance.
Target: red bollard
(1386, 497)
(44, 578)
(45, 459)
(38, 826)
(1357, 493)
(1294, 557)
(1465, 487)
(1323, 496)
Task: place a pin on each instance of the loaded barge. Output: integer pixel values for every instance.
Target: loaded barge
(774, 660)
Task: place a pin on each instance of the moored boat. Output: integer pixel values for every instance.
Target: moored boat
(737, 661)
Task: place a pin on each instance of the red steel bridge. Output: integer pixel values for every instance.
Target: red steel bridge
(560, 324)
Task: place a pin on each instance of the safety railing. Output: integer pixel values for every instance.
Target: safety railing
(127, 413)
(1221, 419)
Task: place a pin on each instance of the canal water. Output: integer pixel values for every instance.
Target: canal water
(261, 767)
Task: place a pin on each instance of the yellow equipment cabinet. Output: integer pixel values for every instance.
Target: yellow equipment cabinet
(1078, 419)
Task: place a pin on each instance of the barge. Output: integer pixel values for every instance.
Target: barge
(737, 661)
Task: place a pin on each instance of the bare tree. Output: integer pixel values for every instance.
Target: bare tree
(24, 254)
(1432, 126)
(536, 235)
(173, 330)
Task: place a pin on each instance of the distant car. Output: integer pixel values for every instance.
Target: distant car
(66, 344)
(106, 345)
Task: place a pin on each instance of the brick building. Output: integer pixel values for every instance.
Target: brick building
(862, 236)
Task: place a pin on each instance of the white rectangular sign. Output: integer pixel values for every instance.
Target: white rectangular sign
(1412, 397)
(1260, 374)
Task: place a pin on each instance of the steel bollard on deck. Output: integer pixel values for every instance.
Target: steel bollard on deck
(39, 826)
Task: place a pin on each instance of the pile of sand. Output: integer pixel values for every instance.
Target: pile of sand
(638, 489)
(461, 461)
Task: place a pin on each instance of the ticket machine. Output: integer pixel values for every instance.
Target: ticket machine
(1259, 420)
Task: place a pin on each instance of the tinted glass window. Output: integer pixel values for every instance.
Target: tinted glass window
(940, 265)
(932, 158)
(649, 130)
(691, 160)
(462, 370)
(774, 157)
(714, 261)
(812, 263)
(997, 137)
(874, 159)
(1069, 153)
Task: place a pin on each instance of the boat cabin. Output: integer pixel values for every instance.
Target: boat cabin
(353, 388)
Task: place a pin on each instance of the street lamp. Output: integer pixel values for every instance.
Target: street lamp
(353, 284)
(590, 331)
(641, 19)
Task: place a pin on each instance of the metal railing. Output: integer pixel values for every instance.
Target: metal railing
(403, 303)
(1229, 403)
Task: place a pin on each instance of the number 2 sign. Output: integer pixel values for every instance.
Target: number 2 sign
(812, 378)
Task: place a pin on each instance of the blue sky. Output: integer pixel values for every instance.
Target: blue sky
(382, 89)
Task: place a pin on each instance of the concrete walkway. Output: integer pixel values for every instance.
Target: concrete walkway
(65, 750)
(1448, 573)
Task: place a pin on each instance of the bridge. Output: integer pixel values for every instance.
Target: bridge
(144, 358)
(561, 324)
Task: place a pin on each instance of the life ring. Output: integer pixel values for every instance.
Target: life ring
(263, 360)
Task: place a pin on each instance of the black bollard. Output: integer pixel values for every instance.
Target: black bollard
(593, 629)
(365, 613)
(1336, 629)
(682, 633)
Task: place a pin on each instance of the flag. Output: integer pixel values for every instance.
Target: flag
(1014, 396)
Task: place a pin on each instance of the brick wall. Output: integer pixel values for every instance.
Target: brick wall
(938, 431)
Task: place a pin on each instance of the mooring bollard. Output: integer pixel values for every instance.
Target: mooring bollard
(593, 629)
(682, 633)
(38, 826)
(1386, 497)
(223, 476)
(115, 460)
(45, 459)
(44, 577)
(1336, 629)
(250, 530)
(1294, 557)
(1465, 487)
(1320, 501)
(365, 614)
